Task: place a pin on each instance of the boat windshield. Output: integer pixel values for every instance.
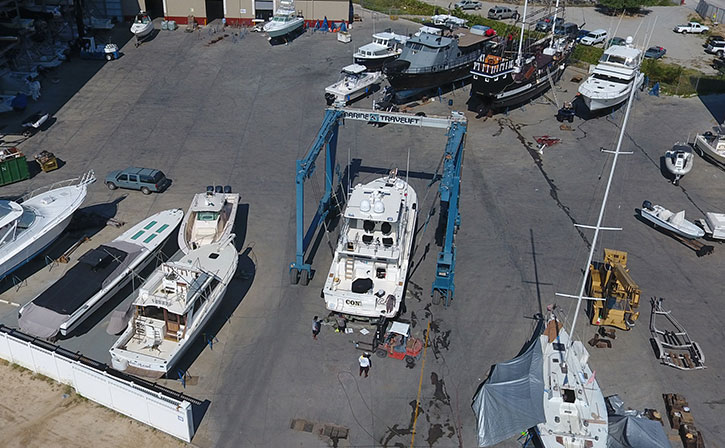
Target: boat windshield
(614, 59)
(608, 78)
(143, 19)
(207, 216)
(26, 219)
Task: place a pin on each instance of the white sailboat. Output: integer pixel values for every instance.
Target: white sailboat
(32, 223)
(611, 80)
(370, 266)
(99, 274)
(210, 219)
(284, 21)
(172, 308)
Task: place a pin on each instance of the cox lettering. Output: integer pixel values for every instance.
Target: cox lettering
(353, 302)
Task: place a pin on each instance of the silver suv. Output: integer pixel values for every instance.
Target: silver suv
(502, 12)
(716, 47)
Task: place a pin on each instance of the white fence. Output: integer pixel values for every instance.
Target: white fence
(163, 409)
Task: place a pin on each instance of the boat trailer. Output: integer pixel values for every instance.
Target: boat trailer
(673, 347)
(443, 287)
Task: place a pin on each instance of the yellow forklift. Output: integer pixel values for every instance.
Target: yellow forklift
(610, 280)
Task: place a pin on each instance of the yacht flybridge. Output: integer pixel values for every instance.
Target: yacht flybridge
(370, 265)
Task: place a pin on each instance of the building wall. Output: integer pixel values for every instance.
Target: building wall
(179, 10)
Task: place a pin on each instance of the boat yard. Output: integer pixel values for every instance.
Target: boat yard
(240, 112)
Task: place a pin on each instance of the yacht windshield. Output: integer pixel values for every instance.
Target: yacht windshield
(614, 59)
(207, 216)
(611, 78)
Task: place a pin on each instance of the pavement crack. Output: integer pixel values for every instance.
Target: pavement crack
(553, 189)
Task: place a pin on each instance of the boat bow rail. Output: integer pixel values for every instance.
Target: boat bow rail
(456, 125)
(86, 179)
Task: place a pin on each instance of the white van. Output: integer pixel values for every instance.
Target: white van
(594, 37)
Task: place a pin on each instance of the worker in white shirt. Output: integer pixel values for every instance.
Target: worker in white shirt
(365, 364)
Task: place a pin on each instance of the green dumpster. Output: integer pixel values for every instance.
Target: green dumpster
(13, 166)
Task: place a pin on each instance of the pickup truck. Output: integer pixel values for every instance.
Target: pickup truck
(692, 27)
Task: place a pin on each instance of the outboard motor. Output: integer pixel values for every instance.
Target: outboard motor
(647, 205)
(227, 188)
(209, 189)
(218, 189)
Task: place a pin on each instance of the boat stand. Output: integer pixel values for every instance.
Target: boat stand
(443, 287)
(700, 248)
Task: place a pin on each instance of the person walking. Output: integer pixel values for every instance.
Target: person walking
(365, 364)
(316, 326)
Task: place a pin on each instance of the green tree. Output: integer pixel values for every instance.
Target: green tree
(627, 4)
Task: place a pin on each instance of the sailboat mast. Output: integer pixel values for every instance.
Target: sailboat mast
(553, 24)
(601, 212)
(521, 39)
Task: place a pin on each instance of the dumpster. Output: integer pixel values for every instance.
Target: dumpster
(13, 166)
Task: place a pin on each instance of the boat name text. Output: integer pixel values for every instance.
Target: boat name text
(353, 302)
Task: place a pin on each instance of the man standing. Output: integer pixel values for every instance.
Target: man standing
(316, 326)
(364, 361)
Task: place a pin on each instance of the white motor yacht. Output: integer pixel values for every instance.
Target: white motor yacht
(370, 266)
(142, 25)
(172, 308)
(284, 21)
(674, 222)
(711, 145)
(355, 82)
(99, 274)
(30, 224)
(611, 80)
(385, 47)
(210, 219)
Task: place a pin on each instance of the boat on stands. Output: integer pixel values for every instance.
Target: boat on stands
(674, 222)
(210, 218)
(711, 145)
(172, 307)
(285, 20)
(99, 274)
(385, 47)
(504, 78)
(435, 57)
(29, 225)
(355, 82)
(369, 269)
(142, 25)
(611, 80)
(679, 161)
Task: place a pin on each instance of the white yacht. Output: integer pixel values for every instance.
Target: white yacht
(611, 80)
(674, 222)
(142, 25)
(284, 21)
(210, 219)
(370, 266)
(711, 145)
(172, 307)
(99, 274)
(385, 47)
(355, 82)
(29, 225)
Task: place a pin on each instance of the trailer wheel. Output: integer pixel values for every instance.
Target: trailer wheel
(304, 277)
(409, 361)
(381, 353)
(436, 300)
(294, 276)
(109, 57)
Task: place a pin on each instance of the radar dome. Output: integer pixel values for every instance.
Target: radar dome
(629, 40)
(378, 207)
(364, 205)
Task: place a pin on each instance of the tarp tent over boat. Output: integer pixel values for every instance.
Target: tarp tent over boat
(511, 399)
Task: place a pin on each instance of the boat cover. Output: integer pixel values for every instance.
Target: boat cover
(629, 431)
(511, 399)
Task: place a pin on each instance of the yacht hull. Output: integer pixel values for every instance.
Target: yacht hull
(283, 31)
(506, 93)
(409, 83)
(374, 64)
(596, 102)
(706, 149)
(34, 248)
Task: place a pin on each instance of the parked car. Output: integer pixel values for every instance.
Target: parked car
(716, 47)
(502, 12)
(616, 41)
(545, 23)
(712, 39)
(568, 28)
(655, 52)
(597, 36)
(145, 179)
(692, 27)
(581, 34)
(469, 4)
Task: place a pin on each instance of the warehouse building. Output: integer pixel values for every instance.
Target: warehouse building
(237, 12)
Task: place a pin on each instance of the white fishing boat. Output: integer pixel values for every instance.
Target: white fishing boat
(674, 222)
(385, 47)
(285, 20)
(172, 308)
(30, 224)
(611, 80)
(679, 161)
(99, 274)
(210, 218)
(355, 82)
(713, 225)
(711, 145)
(142, 25)
(370, 266)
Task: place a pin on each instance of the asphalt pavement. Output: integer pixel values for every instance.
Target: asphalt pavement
(240, 112)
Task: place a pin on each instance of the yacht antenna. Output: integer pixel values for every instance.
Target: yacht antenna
(599, 227)
(521, 40)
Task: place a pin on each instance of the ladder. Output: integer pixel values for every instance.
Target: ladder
(349, 268)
